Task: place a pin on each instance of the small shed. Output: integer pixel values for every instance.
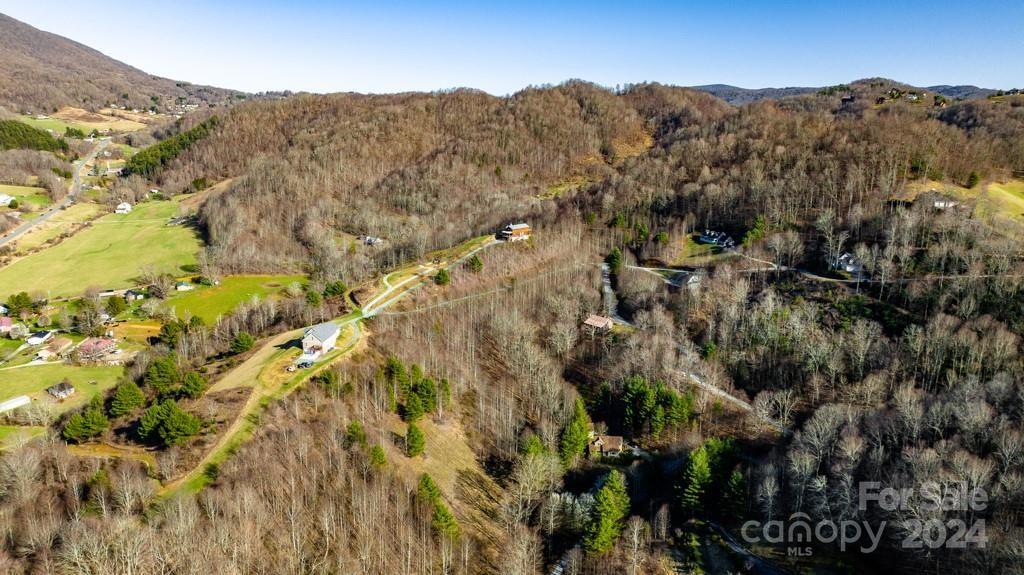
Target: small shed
(62, 390)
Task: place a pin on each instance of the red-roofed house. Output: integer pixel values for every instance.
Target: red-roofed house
(96, 347)
(6, 324)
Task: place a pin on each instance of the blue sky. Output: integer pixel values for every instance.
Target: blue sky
(390, 46)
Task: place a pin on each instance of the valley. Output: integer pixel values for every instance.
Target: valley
(570, 329)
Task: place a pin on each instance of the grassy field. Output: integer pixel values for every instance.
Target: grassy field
(211, 302)
(55, 124)
(33, 381)
(13, 435)
(37, 197)
(109, 254)
(60, 222)
(1008, 198)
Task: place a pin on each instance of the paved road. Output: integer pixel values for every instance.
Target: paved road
(76, 186)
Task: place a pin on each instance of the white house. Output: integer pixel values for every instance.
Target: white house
(318, 340)
(5, 200)
(123, 208)
(184, 286)
(3, 309)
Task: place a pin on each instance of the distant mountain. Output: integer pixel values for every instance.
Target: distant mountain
(962, 92)
(40, 72)
(739, 96)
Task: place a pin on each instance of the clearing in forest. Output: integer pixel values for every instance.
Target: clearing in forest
(211, 302)
(109, 254)
(32, 380)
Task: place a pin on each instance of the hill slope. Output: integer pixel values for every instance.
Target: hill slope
(40, 72)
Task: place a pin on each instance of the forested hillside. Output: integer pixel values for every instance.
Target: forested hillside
(866, 327)
(41, 72)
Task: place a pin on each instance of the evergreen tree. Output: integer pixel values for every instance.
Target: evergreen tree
(639, 400)
(533, 446)
(614, 260)
(170, 333)
(427, 490)
(735, 496)
(657, 420)
(414, 441)
(476, 264)
(413, 409)
(167, 424)
(575, 435)
(444, 522)
(193, 385)
(611, 505)
(443, 277)
(427, 392)
(162, 375)
(127, 397)
(243, 342)
(377, 458)
(335, 289)
(695, 480)
(354, 434)
(86, 424)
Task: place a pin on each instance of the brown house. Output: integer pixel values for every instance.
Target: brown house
(598, 324)
(607, 446)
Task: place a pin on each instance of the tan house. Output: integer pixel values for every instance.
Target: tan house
(598, 324)
(606, 446)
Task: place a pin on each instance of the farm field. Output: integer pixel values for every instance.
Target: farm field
(109, 254)
(82, 120)
(1008, 198)
(211, 302)
(61, 222)
(33, 381)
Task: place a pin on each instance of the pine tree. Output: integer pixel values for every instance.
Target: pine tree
(443, 277)
(413, 409)
(88, 423)
(575, 435)
(735, 496)
(657, 420)
(193, 385)
(695, 480)
(427, 490)
(127, 397)
(476, 264)
(243, 342)
(354, 434)
(611, 505)
(427, 392)
(162, 375)
(444, 522)
(377, 457)
(614, 260)
(414, 441)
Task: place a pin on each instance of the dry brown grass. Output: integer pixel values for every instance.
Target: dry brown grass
(97, 121)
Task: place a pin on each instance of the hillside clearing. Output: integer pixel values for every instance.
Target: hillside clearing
(33, 381)
(211, 302)
(109, 254)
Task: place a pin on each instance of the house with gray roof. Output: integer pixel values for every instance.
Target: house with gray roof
(318, 340)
